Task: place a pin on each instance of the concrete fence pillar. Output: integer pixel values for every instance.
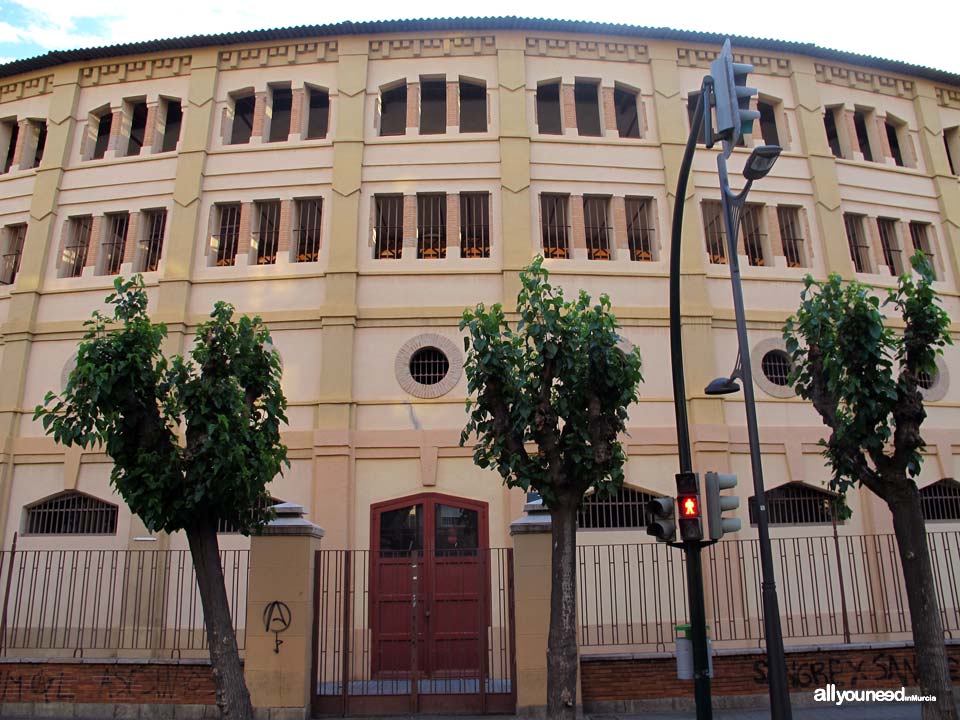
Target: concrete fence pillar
(278, 665)
(532, 552)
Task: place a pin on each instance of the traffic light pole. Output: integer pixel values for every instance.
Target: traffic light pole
(733, 204)
(698, 621)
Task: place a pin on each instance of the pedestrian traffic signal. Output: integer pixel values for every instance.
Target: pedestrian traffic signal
(691, 527)
(664, 525)
(717, 505)
(732, 99)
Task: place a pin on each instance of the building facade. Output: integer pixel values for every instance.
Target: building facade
(357, 186)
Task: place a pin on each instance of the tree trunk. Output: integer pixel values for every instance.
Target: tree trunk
(562, 643)
(233, 699)
(933, 672)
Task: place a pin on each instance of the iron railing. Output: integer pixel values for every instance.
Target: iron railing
(110, 603)
(846, 588)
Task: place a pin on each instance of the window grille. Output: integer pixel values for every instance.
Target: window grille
(389, 227)
(282, 102)
(318, 114)
(796, 504)
(225, 527)
(553, 226)
(920, 238)
(626, 509)
(890, 245)
(104, 125)
(155, 224)
(16, 234)
(941, 500)
(171, 126)
(639, 228)
(428, 366)
(114, 242)
(267, 236)
(753, 236)
(71, 513)
(597, 227)
(790, 236)
(227, 238)
(716, 235)
(628, 121)
(431, 226)
(927, 380)
(857, 242)
(776, 367)
(78, 242)
(242, 129)
(474, 225)
(473, 106)
(309, 213)
(393, 110)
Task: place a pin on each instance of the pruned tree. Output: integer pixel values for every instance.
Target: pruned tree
(193, 441)
(551, 402)
(862, 376)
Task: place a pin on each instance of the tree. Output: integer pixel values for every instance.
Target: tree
(561, 383)
(193, 441)
(862, 377)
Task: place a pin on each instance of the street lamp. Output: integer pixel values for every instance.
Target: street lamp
(725, 385)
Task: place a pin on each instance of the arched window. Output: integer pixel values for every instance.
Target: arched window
(626, 509)
(796, 504)
(941, 500)
(70, 513)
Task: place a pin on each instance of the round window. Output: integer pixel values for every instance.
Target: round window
(927, 380)
(776, 367)
(429, 365)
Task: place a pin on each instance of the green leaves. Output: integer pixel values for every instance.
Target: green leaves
(125, 395)
(862, 376)
(558, 382)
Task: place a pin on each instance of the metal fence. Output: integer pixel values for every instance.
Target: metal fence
(110, 603)
(831, 589)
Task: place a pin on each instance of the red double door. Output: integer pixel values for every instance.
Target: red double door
(429, 586)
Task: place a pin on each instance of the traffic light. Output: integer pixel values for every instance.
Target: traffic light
(717, 505)
(688, 505)
(664, 524)
(732, 98)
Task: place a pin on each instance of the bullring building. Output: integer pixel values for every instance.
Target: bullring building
(358, 185)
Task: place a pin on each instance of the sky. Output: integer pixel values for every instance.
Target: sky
(921, 32)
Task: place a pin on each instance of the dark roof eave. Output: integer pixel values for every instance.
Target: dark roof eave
(62, 57)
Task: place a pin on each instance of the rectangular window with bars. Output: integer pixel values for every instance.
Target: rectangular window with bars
(13, 250)
(754, 238)
(74, 255)
(227, 239)
(920, 238)
(640, 234)
(474, 225)
(114, 241)
(626, 509)
(70, 513)
(267, 236)
(596, 225)
(553, 226)
(857, 241)
(432, 226)
(154, 223)
(890, 244)
(388, 227)
(309, 213)
(715, 236)
(791, 237)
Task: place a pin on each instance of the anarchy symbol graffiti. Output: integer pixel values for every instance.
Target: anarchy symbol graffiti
(276, 619)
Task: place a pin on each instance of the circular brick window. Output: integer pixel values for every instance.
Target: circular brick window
(428, 365)
(776, 367)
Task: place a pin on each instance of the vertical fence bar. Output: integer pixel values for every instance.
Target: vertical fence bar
(6, 597)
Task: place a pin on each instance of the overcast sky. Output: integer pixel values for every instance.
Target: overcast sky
(922, 32)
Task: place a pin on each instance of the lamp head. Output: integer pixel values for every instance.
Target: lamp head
(761, 161)
(722, 386)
